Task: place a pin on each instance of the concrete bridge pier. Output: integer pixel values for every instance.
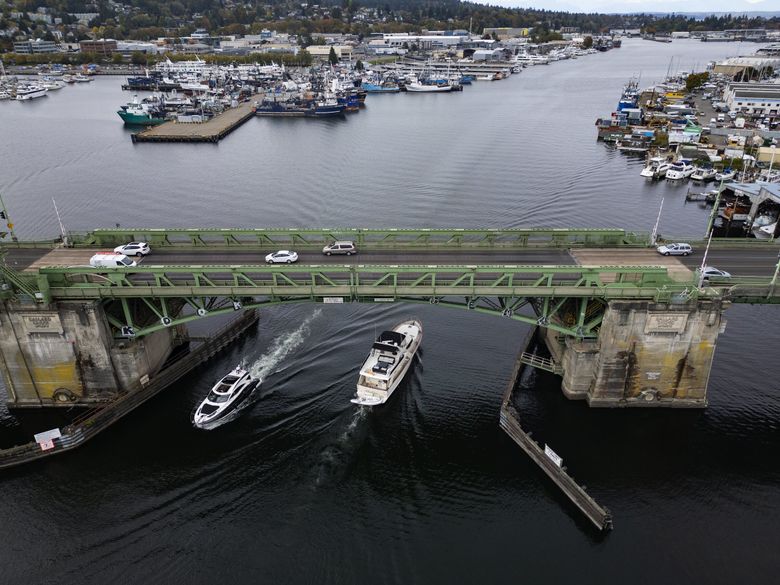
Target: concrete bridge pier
(64, 354)
(647, 354)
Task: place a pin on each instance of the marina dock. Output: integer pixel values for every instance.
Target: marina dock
(98, 419)
(212, 131)
(545, 458)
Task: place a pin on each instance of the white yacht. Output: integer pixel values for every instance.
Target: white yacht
(30, 92)
(703, 174)
(81, 78)
(389, 359)
(725, 175)
(656, 168)
(682, 169)
(224, 397)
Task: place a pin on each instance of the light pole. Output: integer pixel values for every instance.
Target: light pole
(771, 162)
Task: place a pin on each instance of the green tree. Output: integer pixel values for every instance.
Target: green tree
(587, 42)
(117, 58)
(695, 80)
(138, 58)
(359, 65)
(333, 57)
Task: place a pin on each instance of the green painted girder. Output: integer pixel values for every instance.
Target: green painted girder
(373, 238)
(361, 280)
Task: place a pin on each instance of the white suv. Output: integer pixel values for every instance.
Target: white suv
(133, 249)
(344, 247)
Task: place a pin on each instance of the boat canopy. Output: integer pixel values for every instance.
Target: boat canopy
(385, 347)
(391, 337)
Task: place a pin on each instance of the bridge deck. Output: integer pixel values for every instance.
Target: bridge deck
(595, 257)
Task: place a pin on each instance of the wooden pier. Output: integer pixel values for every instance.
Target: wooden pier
(543, 457)
(212, 131)
(99, 419)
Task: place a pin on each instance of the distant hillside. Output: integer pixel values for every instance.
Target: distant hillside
(149, 19)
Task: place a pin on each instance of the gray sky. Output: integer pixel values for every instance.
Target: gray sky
(644, 5)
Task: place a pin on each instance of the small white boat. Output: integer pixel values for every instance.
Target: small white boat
(53, 84)
(703, 174)
(79, 78)
(387, 363)
(656, 168)
(765, 232)
(682, 169)
(725, 175)
(224, 397)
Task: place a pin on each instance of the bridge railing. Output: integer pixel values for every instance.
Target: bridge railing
(311, 239)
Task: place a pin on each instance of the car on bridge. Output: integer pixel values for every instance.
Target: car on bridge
(710, 271)
(678, 249)
(343, 247)
(133, 249)
(282, 257)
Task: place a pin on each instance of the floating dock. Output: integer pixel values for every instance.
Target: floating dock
(212, 131)
(545, 458)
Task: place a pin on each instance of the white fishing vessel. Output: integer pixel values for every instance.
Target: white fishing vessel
(416, 86)
(387, 363)
(224, 397)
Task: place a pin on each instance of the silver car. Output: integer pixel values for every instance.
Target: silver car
(343, 247)
(675, 249)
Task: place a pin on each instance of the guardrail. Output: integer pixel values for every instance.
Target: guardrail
(310, 239)
(97, 420)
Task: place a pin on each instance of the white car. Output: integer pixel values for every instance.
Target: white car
(675, 249)
(282, 257)
(133, 249)
(710, 271)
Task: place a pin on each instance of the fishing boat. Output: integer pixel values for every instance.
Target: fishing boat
(384, 87)
(138, 113)
(387, 363)
(224, 397)
(418, 87)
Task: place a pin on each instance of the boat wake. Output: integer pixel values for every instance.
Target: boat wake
(266, 364)
(336, 457)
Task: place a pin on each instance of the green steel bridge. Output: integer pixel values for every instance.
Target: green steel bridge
(530, 275)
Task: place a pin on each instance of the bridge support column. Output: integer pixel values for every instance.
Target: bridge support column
(647, 354)
(65, 355)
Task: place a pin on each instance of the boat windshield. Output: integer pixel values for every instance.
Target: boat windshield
(214, 397)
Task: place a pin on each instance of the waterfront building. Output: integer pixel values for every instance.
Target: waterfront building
(757, 99)
(36, 46)
(103, 47)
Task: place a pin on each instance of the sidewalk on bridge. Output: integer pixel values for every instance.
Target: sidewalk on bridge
(615, 257)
